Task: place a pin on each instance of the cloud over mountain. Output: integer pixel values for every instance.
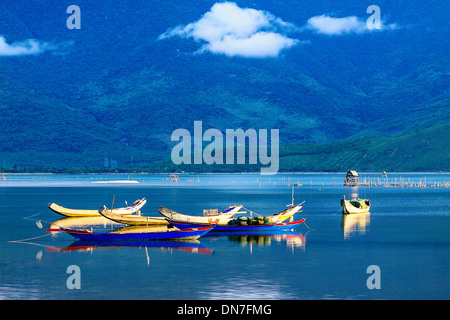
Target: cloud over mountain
(337, 26)
(26, 47)
(233, 31)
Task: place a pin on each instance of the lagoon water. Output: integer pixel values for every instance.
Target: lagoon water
(406, 235)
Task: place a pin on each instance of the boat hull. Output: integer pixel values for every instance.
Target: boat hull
(265, 227)
(187, 234)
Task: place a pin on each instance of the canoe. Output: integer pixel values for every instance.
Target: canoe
(136, 206)
(256, 227)
(132, 220)
(221, 218)
(355, 206)
(167, 234)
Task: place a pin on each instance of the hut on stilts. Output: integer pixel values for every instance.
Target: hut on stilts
(351, 179)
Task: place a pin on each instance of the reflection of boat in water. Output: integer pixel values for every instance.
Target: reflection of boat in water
(355, 205)
(136, 206)
(262, 238)
(242, 227)
(79, 222)
(137, 233)
(192, 246)
(132, 219)
(352, 223)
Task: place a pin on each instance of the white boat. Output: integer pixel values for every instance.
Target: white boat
(355, 206)
(221, 218)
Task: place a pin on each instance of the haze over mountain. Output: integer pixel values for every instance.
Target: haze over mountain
(138, 70)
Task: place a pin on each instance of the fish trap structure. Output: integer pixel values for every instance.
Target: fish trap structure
(352, 179)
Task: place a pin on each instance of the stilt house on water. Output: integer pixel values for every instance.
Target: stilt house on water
(351, 179)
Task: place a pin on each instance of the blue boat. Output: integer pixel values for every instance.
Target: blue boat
(168, 234)
(255, 227)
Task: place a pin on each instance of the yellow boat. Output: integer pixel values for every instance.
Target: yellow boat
(136, 206)
(355, 205)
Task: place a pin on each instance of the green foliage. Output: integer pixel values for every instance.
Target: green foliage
(112, 90)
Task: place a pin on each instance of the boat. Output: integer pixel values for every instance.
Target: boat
(136, 235)
(132, 219)
(281, 226)
(220, 218)
(136, 206)
(355, 205)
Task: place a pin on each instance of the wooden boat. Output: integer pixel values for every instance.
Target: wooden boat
(132, 219)
(167, 234)
(136, 206)
(238, 227)
(355, 205)
(221, 218)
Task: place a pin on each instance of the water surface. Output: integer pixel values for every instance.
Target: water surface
(406, 235)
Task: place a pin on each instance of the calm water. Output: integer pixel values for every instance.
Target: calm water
(406, 235)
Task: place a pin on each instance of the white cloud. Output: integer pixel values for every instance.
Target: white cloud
(329, 25)
(27, 47)
(233, 31)
(336, 26)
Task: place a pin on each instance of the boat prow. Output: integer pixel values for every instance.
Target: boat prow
(285, 214)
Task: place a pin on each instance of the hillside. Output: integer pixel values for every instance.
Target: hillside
(419, 150)
(116, 89)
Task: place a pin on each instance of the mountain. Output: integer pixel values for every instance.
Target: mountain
(117, 88)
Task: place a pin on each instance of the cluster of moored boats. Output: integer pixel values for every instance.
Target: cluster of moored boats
(177, 226)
